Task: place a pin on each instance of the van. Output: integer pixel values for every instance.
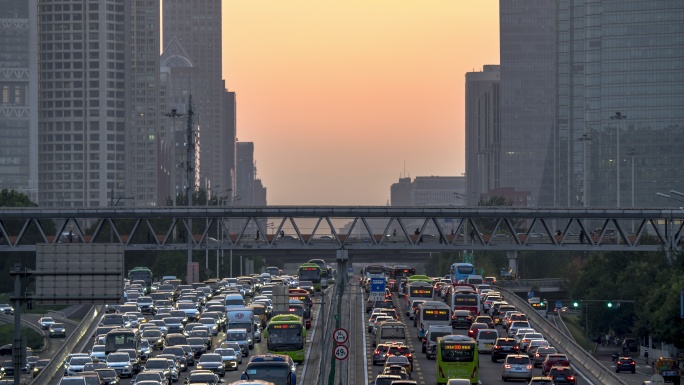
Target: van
(234, 300)
(474, 280)
(485, 339)
(391, 331)
(430, 341)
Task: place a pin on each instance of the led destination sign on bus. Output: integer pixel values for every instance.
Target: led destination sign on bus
(457, 347)
(436, 312)
(464, 299)
(421, 291)
(309, 268)
(286, 326)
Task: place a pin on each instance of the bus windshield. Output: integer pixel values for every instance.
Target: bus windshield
(392, 332)
(121, 339)
(310, 273)
(283, 337)
(275, 372)
(436, 315)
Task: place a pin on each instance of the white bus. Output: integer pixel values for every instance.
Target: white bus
(432, 313)
(418, 290)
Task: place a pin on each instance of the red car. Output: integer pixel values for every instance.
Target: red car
(554, 360)
(472, 332)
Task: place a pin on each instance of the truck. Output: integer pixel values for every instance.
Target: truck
(667, 367)
(243, 318)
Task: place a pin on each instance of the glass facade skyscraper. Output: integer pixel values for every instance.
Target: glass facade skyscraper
(628, 57)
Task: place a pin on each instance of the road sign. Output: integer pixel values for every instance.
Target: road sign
(341, 352)
(340, 335)
(559, 304)
(377, 285)
(657, 379)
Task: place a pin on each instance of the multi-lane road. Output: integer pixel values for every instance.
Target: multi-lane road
(357, 368)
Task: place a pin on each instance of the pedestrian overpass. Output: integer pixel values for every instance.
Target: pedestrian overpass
(357, 229)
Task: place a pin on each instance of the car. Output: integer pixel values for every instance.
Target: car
(625, 363)
(402, 361)
(205, 377)
(541, 353)
(229, 356)
(517, 366)
(97, 353)
(386, 379)
(504, 346)
(75, 365)
(76, 380)
(57, 329)
(397, 371)
(555, 359)
(5, 349)
(235, 346)
(527, 337)
(213, 362)
(6, 308)
(485, 319)
(461, 319)
(45, 322)
(151, 375)
(534, 345)
(562, 375)
(472, 332)
(107, 376)
(161, 365)
(179, 353)
(121, 363)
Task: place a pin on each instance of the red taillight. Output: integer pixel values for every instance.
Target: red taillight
(507, 366)
(571, 378)
(529, 367)
(536, 355)
(497, 347)
(631, 363)
(376, 352)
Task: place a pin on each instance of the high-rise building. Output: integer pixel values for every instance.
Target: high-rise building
(82, 102)
(19, 100)
(482, 132)
(620, 56)
(196, 26)
(229, 121)
(245, 173)
(429, 191)
(528, 96)
(142, 105)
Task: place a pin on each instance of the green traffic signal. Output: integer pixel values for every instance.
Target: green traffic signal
(575, 304)
(610, 304)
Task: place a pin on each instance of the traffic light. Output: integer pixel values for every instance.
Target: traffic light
(610, 305)
(575, 304)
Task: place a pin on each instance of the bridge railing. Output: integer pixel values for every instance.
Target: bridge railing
(578, 356)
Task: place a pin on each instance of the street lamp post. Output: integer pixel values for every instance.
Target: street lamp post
(619, 117)
(631, 153)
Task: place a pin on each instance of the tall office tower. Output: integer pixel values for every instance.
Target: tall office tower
(143, 127)
(620, 56)
(229, 110)
(196, 25)
(483, 133)
(245, 173)
(19, 101)
(82, 102)
(528, 96)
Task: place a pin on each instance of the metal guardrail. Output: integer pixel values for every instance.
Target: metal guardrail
(578, 355)
(55, 364)
(10, 320)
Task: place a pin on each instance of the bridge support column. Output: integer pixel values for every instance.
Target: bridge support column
(512, 256)
(342, 256)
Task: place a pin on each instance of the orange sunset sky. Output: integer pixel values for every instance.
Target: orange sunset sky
(338, 95)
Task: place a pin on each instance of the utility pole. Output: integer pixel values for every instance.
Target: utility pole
(619, 117)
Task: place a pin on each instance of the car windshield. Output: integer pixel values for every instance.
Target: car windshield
(202, 377)
(236, 336)
(195, 340)
(79, 360)
(157, 364)
(276, 373)
(210, 358)
(118, 357)
(513, 360)
(225, 352)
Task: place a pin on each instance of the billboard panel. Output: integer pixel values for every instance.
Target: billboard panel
(78, 273)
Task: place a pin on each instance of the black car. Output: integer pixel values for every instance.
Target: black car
(562, 375)
(461, 319)
(626, 364)
(503, 347)
(5, 349)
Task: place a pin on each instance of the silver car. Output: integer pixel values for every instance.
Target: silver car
(517, 366)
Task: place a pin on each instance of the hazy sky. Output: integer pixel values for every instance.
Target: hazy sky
(338, 95)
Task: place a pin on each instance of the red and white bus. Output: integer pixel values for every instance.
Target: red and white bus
(464, 297)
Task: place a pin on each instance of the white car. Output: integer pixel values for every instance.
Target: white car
(75, 365)
(45, 322)
(5, 308)
(97, 354)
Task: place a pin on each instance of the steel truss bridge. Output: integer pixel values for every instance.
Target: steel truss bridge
(359, 229)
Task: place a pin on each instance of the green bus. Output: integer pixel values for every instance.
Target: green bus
(310, 272)
(286, 334)
(457, 358)
(141, 274)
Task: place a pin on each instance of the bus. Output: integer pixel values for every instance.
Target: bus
(141, 274)
(459, 272)
(325, 271)
(274, 271)
(122, 339)
(286, 334)
(432, 313)
(540, 307)
(310, 272)
(398, 272)
(418, 290)
(463, 297)
(373, 271)
(457, 358)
